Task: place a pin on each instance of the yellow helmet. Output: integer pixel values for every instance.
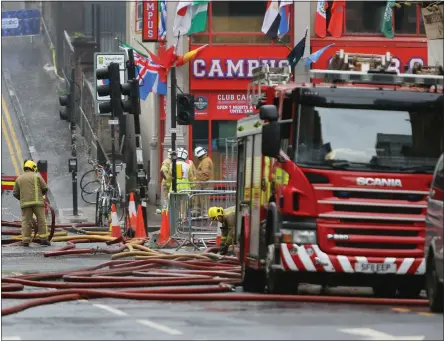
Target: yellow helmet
(29, 164)
(214, 212)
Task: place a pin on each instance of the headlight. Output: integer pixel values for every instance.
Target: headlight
(298, 237)
(304, 237)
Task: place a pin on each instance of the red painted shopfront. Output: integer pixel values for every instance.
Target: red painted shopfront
(219, 79)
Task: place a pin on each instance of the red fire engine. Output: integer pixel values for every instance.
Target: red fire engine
(333, 176)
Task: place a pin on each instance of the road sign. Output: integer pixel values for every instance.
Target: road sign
(24, 22)
(174, 130)
(113, 122)
(102, 60)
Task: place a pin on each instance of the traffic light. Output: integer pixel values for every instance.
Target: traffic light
(113, 89)
(131, 104)
(65, 102)
(185, 109)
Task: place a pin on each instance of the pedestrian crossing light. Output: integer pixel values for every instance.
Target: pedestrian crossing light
(65, 111)
(131, 104)
(112, 89)
(185, 109)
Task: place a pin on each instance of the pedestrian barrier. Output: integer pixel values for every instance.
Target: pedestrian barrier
(188, 214)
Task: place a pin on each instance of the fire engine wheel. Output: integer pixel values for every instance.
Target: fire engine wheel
(434, 287)
(278, 281)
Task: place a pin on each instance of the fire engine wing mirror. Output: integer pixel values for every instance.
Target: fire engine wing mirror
(271, 139)
(268, 112)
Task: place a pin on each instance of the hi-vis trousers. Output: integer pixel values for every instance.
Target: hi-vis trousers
(27, 213)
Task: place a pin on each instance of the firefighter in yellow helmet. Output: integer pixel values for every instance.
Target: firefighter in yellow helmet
(30, 189)
(227, 217)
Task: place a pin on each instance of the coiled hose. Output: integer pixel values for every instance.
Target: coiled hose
(170, 277)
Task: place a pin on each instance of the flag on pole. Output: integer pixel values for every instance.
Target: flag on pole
(270, 25)
(162, 19)
(284, 13)
(191, 17)
(321, 19)
(387, 22)
(149, 77)
(298, 51)
(277, 19)
(336, 23)
(181, 60)
(314, 57)
(126, 47)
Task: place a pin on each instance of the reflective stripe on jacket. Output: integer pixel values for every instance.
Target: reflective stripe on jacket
(30, 189)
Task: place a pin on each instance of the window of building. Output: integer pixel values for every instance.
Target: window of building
(139, 16)
(223, 143)
(366, 17)
(236, 22)
(200, 138)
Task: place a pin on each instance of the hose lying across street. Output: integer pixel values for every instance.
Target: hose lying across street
(155, 275)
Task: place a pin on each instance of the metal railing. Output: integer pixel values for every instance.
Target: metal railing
(188, 213)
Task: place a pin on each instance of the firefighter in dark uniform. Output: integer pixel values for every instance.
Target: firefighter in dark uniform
(30, 189)
(228, 219)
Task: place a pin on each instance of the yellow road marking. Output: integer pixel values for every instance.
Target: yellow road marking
(11, 149)
(423, 313)
(11, 129)
(401, 310)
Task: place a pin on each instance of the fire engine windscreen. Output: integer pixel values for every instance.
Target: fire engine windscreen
(362, 139)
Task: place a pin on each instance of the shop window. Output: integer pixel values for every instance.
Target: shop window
(405, 19)
(223, 145)
(200, 137)
(237, 17)
(365, 17)
(139, 15)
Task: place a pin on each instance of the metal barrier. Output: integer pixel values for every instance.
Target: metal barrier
(189, 221)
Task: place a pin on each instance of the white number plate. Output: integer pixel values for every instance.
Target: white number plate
(375, 268)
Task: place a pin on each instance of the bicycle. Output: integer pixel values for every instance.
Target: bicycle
(92, 186)
(107, 195)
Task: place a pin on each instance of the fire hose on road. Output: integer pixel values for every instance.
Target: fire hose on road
(168, 277)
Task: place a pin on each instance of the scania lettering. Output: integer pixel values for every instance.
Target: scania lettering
(379, 182)
(333, 177)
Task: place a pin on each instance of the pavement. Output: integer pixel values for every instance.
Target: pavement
(42, 134)
(112, 319)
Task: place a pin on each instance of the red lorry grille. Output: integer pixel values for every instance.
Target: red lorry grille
(372, 222)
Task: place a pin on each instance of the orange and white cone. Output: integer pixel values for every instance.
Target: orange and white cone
(132, 212)
(115, 226)
(219, 235)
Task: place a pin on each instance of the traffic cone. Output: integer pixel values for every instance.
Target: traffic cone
(132, 211)
(219, 236)
(115, 229)
(140, 226)
(164, 233)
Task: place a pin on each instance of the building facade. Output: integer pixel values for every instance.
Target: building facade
(219, 76)
(361, 24)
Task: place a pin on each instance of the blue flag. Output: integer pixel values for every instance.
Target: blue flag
(314, 57)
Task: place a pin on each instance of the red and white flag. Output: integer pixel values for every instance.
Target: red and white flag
(335, 26)
(321, 19)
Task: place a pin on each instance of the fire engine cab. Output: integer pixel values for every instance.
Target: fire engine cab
(333, 176)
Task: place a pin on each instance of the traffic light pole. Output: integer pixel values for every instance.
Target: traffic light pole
(173, 129)
(72, 126)
(141, 178)
(116, 112)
